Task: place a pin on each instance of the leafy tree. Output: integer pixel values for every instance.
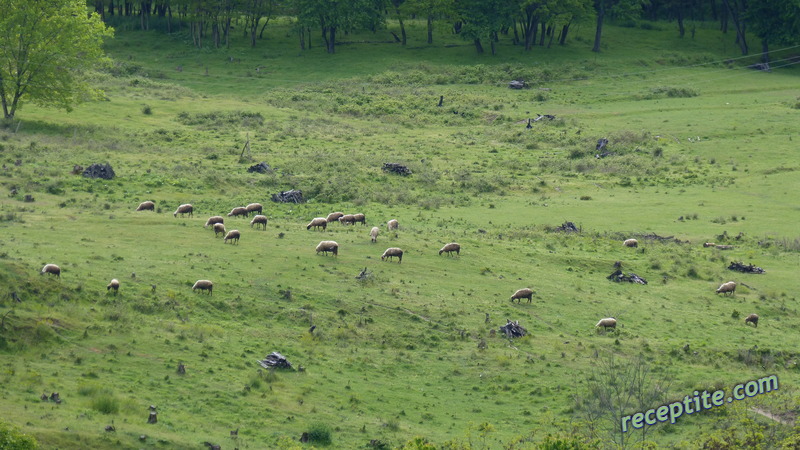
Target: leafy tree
(430, 9)
(334, 16)
(45, 45)
(483, 19)
(775, 22)
(618, 8)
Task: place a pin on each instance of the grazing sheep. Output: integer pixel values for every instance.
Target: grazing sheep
(631, 243)
(359, 218)
(334, 216)
(723, 247)
(259, 220)
(328, 246)
(238, 211)
(374, 234)
(214, 220)
(204, 285)
(254, 208)
(347, 219)
(709, 244)
(219, 228)
(752, 318)
(51, 269)
(392, 224)
(186, 208)
(522, 293)
(607, 323)
(146, 206)
(113, 285)
(232, 235)
(450, 248)
(392, 252)
(317, 222)
(727, 288)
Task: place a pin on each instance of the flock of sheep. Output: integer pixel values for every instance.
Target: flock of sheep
(325, 247)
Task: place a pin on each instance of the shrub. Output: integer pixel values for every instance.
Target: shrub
(106, 403)
(319, 433)
(12, 438)
(147, 110)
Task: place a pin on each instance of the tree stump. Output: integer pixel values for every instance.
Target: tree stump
(153, 417)
(181, 369)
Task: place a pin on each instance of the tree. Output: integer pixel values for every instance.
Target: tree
(483, 19)
(335, 16)
(775, 22)
(430, 9)
(45, 45)
(618, 8)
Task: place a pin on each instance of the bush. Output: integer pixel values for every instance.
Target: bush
(105, 403)
(319, 433)
(12, 438)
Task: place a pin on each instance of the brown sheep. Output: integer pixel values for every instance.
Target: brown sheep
(359, 218)
(214, 220)
(259, 220)
(392, 252)
(238, 211)
(752, 318)
(219, 228)
(204, 285)
(317, 222)
(328, 246)
(232, 235)
(727, 288)
(113, 285)
(186, 208)
(522, 293)
(334, 216)
(146, 206)
(392, 224)
(51, 269)
(631, 243)
(607, 323)
(374, 234)
(347, 219)
(254, 208)
(450, 248)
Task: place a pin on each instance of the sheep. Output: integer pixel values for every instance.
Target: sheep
(392, 252)
(204, 285)
(334, 216)
(359, 218)
(709, 244)
(752, 318)
(238, 211)
(723, 247)
(186, 208)
(347, 218)
(318, 222)
(254, 208)
(392, 224)
(607, 323)
(522, 293)
(51, 269)
(631, 243)
(219, 228)
(259, 220)
(450, 248)
(328, 246)
(214, 220)
(374, 234)
(113, 285)
(146, 206)
(232, 235)
(727, 288)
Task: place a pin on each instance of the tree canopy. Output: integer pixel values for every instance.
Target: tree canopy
(45, 46)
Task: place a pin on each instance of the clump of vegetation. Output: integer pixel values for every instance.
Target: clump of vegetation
(320, 433)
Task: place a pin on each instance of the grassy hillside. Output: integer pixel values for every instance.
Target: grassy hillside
(702, 149)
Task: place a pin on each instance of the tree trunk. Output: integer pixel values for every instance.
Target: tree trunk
(332, 40)
(302, 39)
(529, 30)
(402, 27)
(681, 27)
(564, 31)
(741, 41)
(764, 51)
(430, 29)
(544, 33)
(478, 46)
(601, 12)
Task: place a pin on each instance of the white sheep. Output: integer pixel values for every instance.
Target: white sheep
(522, 293)
(254, 208)
(359, 218)
(232, 235)
(392, 224)
(374, 234)
(450, 248)
(727, 288)
(238, 211)
(317, 222)
(391, 252)
(334, 216)
(219, 228)
(51, 269)
(113, 285)
(259, 220)
(607, 323)
(204, 285)
(752, 318)
(186, 208)
(146, 206)
(214, 220)
(709, 244)
(631, 243)
(347, 219)
(328, 246)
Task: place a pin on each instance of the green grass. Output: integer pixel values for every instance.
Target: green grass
(401, 354)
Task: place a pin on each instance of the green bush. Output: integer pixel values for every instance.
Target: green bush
(319, 433)
(13, 439)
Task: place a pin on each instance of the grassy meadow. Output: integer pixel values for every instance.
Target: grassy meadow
(703, 151)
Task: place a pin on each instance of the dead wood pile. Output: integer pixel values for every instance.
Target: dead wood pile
(274, 360)
(513, 329)
(618, 276)
(745, 268)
